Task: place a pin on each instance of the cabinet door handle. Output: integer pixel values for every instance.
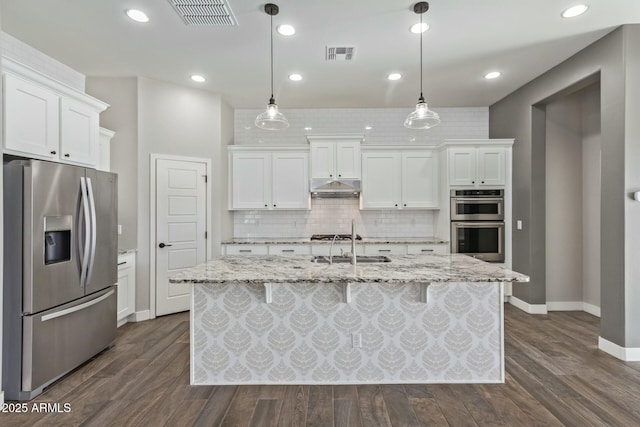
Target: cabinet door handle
(426, 250)
(122, 263)
(67, 155)
(288, 250)
(384, 250)
(245, 251)
(54, 152)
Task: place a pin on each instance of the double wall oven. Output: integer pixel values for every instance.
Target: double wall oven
(477, 224)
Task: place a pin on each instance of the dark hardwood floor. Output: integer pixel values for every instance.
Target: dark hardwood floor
(555, 376)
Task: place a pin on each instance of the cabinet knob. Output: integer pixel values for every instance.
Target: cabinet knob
(339, 175)
(405, 204)
(53, 152)
(266, 206)
(67, 155)
(330, 175)
(274, 205)
(473, 182)
(396, 205)
(482, 182)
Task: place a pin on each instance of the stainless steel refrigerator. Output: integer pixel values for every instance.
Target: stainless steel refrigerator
(60, 270)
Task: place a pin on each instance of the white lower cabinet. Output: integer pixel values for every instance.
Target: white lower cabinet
(126, 287)
(246, 249)
(385, 249)
(289, 249)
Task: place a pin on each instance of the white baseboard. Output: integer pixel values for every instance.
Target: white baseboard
(628, 354)
(592, 309)
(565, 306)
(526, 307)
(573, 306)
(140, 316)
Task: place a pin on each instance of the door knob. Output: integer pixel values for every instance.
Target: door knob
(162, 245)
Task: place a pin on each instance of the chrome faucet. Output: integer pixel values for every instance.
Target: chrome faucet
(353, 242)
(335, 236)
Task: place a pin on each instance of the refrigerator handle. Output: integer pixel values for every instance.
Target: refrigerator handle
(85, 249)
(94, 234)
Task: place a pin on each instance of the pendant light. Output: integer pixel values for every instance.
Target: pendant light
(422, 117)
(271, 119)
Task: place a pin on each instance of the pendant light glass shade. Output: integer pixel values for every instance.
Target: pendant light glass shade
(422, 117)
(271, 119)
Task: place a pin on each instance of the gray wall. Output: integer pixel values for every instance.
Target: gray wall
(572, 150)
(122, 118)
(181, 121)
(153, 117)
(616, 58)
(591, 187)
(563, 193)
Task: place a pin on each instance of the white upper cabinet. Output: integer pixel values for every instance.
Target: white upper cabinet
(399, 179)
(420, 180)
(290, 185)
(250, 181)
(335, 157)
(80, 133)
(47, 120)
(269, 179)
(381, 182)
(477, 166)
(31, 114)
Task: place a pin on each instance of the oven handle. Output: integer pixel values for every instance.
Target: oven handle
(477, 224)
(478, 200)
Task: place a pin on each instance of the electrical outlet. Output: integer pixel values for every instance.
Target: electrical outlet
(356, 340)
(519, 224)
(119, 229)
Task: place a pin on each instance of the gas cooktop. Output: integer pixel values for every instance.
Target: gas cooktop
(330, 237)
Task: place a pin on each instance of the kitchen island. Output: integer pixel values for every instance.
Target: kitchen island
(286, 320)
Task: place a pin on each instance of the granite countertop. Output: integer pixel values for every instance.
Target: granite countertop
(306, 240)
(298, 268)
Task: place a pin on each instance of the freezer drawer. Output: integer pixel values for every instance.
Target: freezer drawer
(58, 340)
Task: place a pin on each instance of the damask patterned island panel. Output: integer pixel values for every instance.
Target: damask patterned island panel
(351, 329)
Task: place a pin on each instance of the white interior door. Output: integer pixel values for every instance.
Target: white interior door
(181, 219)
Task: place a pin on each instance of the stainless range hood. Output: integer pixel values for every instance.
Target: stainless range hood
(334, 188)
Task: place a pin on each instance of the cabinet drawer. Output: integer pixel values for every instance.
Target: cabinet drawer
(426, 249)
(246, 250)
(385, 249)
(341, 248)
(289, 250)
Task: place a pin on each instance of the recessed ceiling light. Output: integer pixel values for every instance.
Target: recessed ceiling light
(286, 30)
(295, 77)
(137, 15)
(492, 75)
(394, 76)
(368, 128)
(419, 28)
(574, 11)
(198, 78)
(308, 128)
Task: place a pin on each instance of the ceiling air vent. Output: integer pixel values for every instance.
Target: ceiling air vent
(204, 12)
(340, 53)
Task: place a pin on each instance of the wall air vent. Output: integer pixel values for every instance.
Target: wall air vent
(340, 53)
(204, 12)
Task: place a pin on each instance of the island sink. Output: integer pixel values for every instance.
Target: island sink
(347, 259)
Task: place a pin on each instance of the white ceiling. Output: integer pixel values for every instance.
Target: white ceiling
(468, 38)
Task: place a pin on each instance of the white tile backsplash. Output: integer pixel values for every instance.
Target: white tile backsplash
(387, 125)
(33, 58)
(330, 216)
